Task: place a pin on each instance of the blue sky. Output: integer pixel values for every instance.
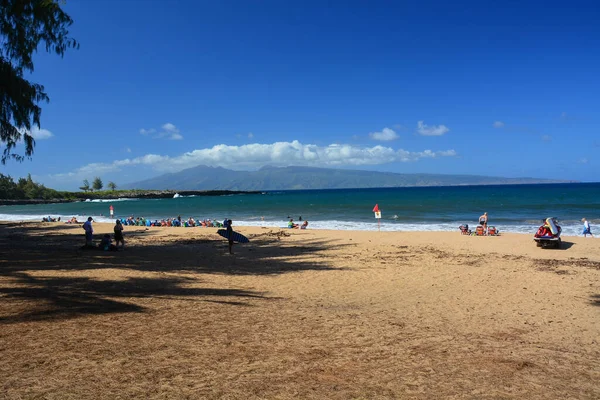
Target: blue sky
(433, 86)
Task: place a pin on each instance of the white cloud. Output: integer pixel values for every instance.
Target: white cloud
(498, 124)
(433, 130)
(40, 134)
(256, 155)
(385, 135)
(37, 133)
(169, 127)
(167, 131)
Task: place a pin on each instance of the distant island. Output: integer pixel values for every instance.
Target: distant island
(211, 181)
(298, 178)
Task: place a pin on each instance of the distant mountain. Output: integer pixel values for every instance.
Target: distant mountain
(291, 178)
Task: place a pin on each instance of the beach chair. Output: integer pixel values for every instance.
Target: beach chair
(479, 231)
(492, 231)
(464, 229)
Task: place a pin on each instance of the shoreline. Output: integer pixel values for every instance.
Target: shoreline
(106, 227)
(313, 226)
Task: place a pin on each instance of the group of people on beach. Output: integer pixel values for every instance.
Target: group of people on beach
(482, 228)
(293, 225)
(106, 242)
(483, 222)
(177, 222)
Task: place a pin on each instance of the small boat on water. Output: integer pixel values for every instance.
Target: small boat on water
(176, 195)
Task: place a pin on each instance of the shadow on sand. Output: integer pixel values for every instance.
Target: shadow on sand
(32, 255)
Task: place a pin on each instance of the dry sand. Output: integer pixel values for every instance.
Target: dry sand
(296, 314)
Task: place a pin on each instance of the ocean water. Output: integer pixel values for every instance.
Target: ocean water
(511, 208)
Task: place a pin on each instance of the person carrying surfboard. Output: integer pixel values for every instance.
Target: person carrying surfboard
(230, 235)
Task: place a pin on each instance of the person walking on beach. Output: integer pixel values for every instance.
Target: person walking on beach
(587, 229)
(89, 232)
(483, 220)
(119, 234)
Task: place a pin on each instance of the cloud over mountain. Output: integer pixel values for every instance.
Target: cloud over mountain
(256, 155)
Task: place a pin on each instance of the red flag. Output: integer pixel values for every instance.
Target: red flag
(376, 208)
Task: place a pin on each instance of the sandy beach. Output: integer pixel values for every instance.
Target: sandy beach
(308, 314)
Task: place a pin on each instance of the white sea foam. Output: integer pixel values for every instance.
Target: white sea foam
(108, 200)
(63, 218)
(568, 230)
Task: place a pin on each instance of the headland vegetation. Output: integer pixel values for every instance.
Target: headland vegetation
(26, 191)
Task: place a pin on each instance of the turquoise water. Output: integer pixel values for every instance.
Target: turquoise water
(511, 208)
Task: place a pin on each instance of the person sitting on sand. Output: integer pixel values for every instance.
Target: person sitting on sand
(304, 225)
(106, 245)
(483, 221)
(587, 229)
(291, 224)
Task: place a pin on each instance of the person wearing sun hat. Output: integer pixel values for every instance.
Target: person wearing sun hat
(89, 232)
(587, 229)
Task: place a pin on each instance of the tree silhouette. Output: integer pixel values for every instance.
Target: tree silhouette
(23, 25)
(97, 184)
(112, 186)
(86, 185)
